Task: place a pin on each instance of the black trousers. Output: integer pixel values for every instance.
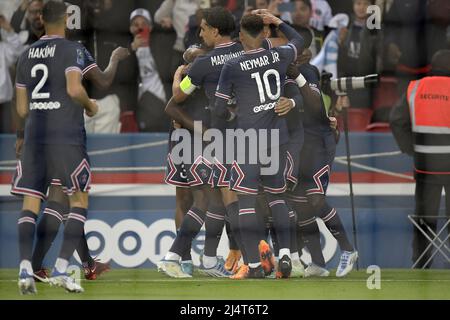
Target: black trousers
(428, 199)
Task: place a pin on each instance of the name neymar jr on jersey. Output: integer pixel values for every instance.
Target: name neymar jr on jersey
(259, 62)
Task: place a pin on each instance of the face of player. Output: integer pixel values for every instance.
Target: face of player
(360, 8)
(304, 57)
(34, 13)
(138, 24)
(208, 33)
(302, 14)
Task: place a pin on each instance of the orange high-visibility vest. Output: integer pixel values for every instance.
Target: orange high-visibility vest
(429, 106)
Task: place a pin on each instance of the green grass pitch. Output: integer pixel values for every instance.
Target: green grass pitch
(149, 284)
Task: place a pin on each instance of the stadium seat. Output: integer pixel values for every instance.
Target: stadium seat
(128, 121)
(378, 127)
(385, 93)
(358, 119)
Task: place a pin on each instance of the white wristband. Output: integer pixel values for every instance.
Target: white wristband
(293, 103)
(301, 81)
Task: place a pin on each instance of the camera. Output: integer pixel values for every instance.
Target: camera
(354, 83)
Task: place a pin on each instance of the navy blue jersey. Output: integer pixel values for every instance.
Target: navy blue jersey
(196, 106)
(315, 122)
(294, 118)
(205, 71)
(54, 118)
(256, 81)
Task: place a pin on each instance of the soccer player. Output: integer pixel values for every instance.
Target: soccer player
(316, 159)
(256, 80)
(51, 97)
(57, 207)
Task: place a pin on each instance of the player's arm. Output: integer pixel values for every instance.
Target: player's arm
(104, 79)
(292, 99)
(223, 94)
(176, 112)
(310, 91)
(22, 111)
(182, 87)
(287, 31)
(77, 92)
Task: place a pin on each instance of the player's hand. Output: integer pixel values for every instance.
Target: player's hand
(166, 22)
(120, 54)
(283, 106)
(19, 145)
(268, 17)
(93, 109)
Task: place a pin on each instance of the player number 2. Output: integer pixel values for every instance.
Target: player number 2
(36, 94)
(266, 86)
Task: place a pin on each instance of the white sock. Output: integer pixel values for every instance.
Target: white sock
(209, 262)
(284, 252)
(172, 256)
(254, 265)
(295, 256)
(26, 264)
(61, 265)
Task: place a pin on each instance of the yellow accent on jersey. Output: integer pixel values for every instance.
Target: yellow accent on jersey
(186, 85)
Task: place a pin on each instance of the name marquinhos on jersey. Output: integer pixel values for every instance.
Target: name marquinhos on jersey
(41, 53)
(45, 105)
(264, 107)
(259, 62)
(221, 59)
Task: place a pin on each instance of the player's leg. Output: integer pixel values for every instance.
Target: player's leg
(183, 203)
(56, 207)
(275, 187)
(231, 204)
(265, 227)
(214, 222)
(191, 225)
(73, 233)
(30, 182)
(70, 165)
(26, 229)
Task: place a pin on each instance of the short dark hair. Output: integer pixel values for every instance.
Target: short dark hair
(53, 11)
(252, 24)
(221, 19)
(306, 2)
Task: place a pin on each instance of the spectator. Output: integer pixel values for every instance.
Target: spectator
(152, 97)
(33, 24)
(10, 49)
(357, 51)
(301, 18)
(175, 13)
(321, 14)
(326, 60)
(107, 28)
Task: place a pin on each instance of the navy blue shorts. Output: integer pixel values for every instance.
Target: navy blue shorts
(248, 178)
(196, 172)
(220, 174)
(43, 165)
(294, 147)
(316, 159)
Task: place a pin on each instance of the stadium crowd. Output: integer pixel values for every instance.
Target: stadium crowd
(400, 51)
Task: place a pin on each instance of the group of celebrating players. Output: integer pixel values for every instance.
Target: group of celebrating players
(259, 83)
(256, 83)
